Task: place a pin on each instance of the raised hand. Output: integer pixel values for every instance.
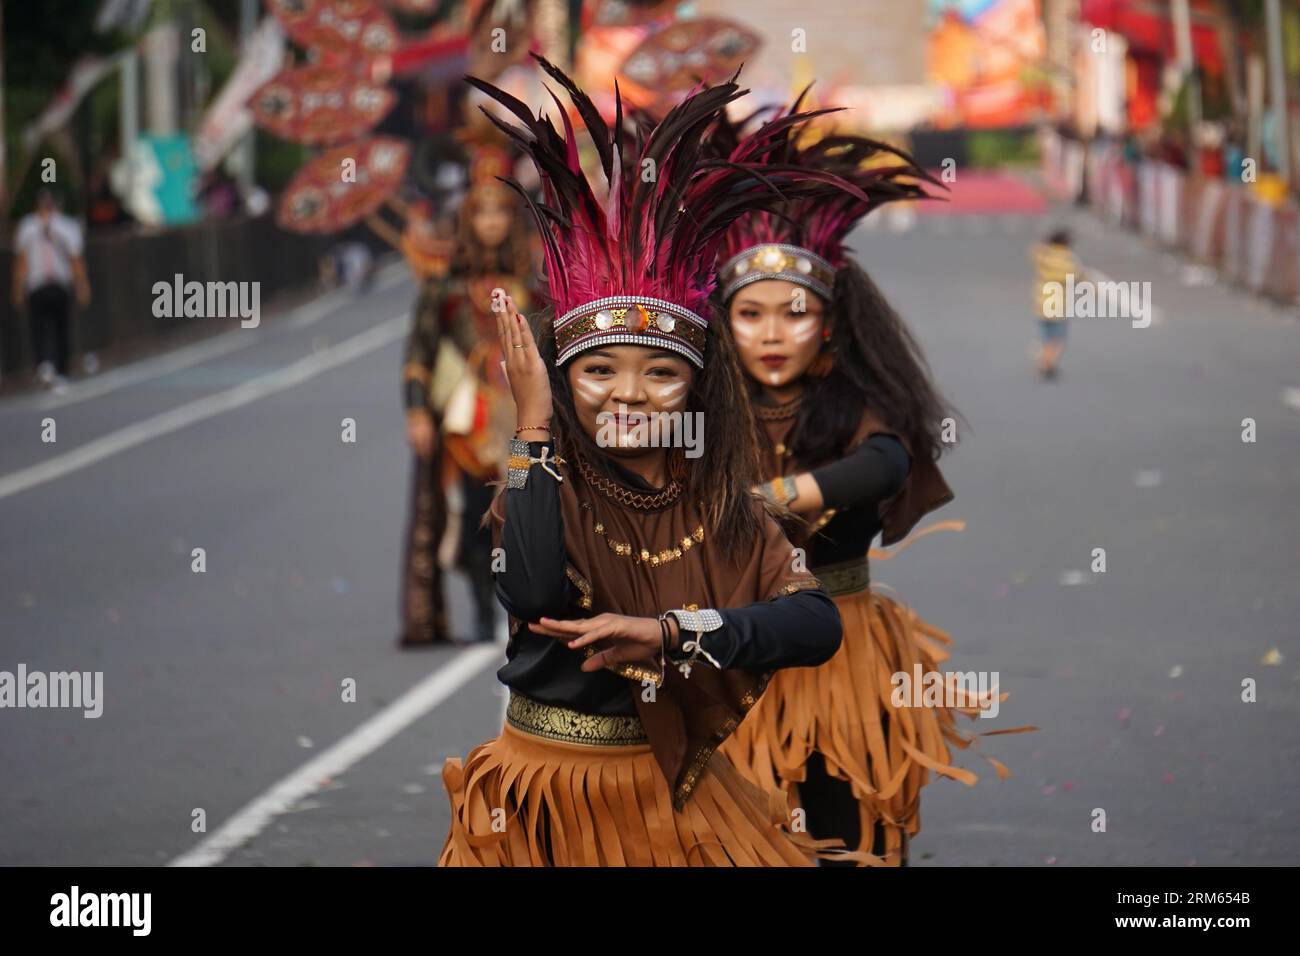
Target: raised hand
(524, 368)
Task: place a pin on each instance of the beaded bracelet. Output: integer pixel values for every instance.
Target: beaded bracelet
(521, 460)
(780, 491)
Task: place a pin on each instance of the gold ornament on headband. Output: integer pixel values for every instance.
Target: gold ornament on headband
(777, 261)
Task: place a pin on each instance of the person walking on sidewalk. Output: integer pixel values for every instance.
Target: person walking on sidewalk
(49, 272)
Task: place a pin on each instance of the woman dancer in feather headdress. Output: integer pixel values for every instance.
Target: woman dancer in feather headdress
(849, 423)
(651, 594)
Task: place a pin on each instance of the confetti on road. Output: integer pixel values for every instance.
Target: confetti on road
(1073, 578)
(1148, 478)
(1176, 671)
(305, 743)
(1272, 659)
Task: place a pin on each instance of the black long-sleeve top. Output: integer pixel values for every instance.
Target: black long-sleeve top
(796, 630)
(854, 486)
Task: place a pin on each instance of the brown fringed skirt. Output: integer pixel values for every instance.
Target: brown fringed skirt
(524, 799)
(842, 709)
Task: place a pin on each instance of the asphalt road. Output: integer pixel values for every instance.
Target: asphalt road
(222, 690)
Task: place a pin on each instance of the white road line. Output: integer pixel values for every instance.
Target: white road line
(314, 311)
(392, 276)
(151, 368)
(131, 374)
(206, 407)
(369, 737)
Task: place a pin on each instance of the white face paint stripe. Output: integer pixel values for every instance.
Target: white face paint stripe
(594, 392)
(747, 336)
(805, 328)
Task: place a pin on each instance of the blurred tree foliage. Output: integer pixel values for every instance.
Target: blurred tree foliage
(44, 39)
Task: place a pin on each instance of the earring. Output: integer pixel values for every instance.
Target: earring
(825, 361)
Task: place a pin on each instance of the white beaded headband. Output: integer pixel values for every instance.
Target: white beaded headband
(776, 260)
(631, 320)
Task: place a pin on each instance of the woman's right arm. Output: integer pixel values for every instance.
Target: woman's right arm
(533, 583)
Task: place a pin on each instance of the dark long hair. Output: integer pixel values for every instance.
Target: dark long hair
(878, 366)
(728, 468)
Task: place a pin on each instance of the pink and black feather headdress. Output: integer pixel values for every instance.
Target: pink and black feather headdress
(633, 263)
(802, 241)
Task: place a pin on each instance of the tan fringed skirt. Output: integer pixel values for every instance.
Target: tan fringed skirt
(842, 709)
(524, 799)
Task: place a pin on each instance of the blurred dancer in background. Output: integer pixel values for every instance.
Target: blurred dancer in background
(458, 408)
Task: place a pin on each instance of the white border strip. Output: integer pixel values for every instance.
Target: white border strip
(253, 818)
(206, 407)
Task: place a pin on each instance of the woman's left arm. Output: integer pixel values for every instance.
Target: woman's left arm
(873, 472)
(795, 630)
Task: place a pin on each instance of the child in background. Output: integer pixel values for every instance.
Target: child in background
(1054, 260)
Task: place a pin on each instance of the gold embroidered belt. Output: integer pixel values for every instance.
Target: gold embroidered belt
(844, 577)
(573, 727)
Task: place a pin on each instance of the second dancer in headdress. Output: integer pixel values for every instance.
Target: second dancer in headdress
(849, 422)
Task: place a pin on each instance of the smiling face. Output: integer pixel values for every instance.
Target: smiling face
(776, 341)
(617, 384)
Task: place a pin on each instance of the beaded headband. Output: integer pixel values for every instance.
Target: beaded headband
(777, 260)
(631, 320)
